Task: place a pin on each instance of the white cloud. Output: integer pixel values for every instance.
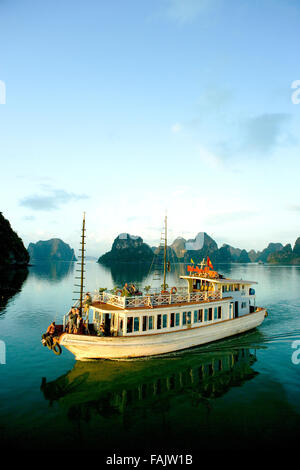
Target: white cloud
(186, 11)
(176, 128)
(209, 158)
(51, 201)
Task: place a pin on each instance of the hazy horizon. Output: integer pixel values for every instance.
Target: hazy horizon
(94, 253)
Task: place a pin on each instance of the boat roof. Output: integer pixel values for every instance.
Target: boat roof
(220, 280)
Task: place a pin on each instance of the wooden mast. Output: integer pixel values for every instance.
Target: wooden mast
(82, 264)
(165, 255)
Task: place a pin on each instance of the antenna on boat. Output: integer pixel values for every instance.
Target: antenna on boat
(81, 270)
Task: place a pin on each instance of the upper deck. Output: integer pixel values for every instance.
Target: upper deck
(151, 300)
(202, 286)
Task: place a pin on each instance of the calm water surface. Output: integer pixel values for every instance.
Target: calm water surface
(232, 394)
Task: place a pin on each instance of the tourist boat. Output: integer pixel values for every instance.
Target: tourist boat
(210, 307)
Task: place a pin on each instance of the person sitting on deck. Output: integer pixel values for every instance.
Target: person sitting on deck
(133, 289)
(87, 302)
(102, 330)
(51, 330)
(126, 289)
(50, 333)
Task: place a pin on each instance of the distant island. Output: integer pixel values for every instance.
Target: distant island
(50, 250)
(132, 249)
(12, 250)
(286, 255)
(129, 248)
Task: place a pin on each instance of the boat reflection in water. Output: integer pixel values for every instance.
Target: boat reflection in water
(159, 401)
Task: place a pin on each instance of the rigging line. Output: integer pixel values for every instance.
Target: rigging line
(155, 258)
(71, 261)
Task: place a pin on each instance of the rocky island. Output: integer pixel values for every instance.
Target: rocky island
(202, 246)
(12, 250)
(50, 250)
(127, 248)
(286, 255)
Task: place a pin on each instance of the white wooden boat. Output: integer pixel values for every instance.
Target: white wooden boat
(174, 321)
(210, 308)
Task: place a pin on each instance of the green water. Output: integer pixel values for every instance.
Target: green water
(233, 394)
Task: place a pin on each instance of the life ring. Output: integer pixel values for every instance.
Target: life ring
(174, 290)
(56, 348)
(118, 292)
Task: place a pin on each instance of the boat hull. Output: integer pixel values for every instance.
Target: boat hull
(125, 347)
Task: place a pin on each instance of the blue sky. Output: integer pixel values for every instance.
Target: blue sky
(126, 109)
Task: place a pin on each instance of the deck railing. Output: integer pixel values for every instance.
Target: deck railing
(153, 300)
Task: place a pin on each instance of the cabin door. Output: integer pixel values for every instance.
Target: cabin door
(107, 320)
(236, 309)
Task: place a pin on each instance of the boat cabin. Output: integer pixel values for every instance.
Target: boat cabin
(206, 299)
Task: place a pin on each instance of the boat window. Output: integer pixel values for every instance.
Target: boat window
(244, 304)
(184, 318)
(205, 314)
(150, 323)
(172, 320)
(189, 318)
(195, 316)
(237, 287)
(129, 324)
(215, 313)
(145, 321)
(136, 323)
(209, 314)
(121, 325)
(158, 322)
(165, 319)
(200, 315)
(219, 312)
(177, 319)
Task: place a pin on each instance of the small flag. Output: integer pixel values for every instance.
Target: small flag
(192, 261)
(209, 263)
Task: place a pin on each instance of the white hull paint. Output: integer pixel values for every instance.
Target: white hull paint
(124, 347)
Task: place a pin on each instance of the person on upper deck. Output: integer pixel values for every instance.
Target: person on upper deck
(133, 289)
(126, 289)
